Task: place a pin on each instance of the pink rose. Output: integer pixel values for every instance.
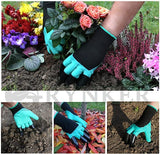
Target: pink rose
(80, 7)
(93, 11)
(103, 12)
(85, 21)
(68, 4)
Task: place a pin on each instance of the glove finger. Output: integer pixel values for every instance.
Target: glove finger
(48, 49)
(130, 129)
(26, 125)
(34, 116)
(30, 122)
(83, 139)
(82, 122)
(126, 138)
(148, 136)
(77, 72)
(70, 68)
(67, 61)
(23, 126)
(63, 76)
(59, 48)
(70, 80)
(74, 141)
(86, 136)
(82, 81)
(132, 140)
(136, 133)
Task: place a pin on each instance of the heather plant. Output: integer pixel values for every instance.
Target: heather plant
(129, 53)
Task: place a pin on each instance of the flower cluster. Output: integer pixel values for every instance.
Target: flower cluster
(25, 19)
(37, 17)
(88, 13)
(151, 62)
(19, 39)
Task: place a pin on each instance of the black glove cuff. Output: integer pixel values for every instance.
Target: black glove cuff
(146, 117)
(65, 106)
(67, 125)
(92, 53)
(16, 108)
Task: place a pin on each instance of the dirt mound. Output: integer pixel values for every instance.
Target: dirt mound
(119, 117)
(38, 140)
(46, 78)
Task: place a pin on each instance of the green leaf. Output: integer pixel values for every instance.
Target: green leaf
(6, 57)
(78, 43)
(58, 147)
(69, 24)
(90, 30)
(56, 42)
(71, 50)
(57, 56)
(60, 17)
(41, 57)
(54, 21)
(51, 12)
(5, 50)
(63, 34)
(48, 25)
(82, 38)
(15, 62)
(56, 34)
(75, 34)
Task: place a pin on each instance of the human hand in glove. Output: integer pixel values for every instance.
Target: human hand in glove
(73, 130)
(80, 66)
(47, 35)
(72, 115)
(22, 116)
(143, 125)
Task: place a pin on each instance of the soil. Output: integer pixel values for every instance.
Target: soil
(119, 117)
(38, 140)
(47, 78)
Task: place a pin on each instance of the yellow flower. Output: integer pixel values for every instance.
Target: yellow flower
(25, 8)
(24, 18)
(35, 5)
(38, 30)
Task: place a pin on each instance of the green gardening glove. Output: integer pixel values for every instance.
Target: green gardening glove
(22, 116)
(72, 115)
(135, 130)
(49, 44)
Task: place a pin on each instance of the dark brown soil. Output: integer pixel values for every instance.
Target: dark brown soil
(119, 117)
(38, 140)
(46, 78)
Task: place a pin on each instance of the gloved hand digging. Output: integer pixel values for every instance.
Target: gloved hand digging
(80, 66)
(22, 116)
(74, 130)
(143, 125)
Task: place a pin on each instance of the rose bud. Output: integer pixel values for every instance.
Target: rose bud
(93, 12)
(80, 7)
(103, 12)
(68, 4)
(85, 21)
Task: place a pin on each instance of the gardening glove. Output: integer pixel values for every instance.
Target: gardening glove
(143, 125)
(72, 115)
(73, 130)
(80, 66)
(49, 44)
(47, 35)
(22, 116)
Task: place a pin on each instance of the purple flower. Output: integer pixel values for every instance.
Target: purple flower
(23, 45)
(33, 40)
(12, 31)
(16, 40)
(5, 40)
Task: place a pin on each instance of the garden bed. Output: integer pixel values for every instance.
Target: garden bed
(120, 117)
(47, 78)
(38, 140)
